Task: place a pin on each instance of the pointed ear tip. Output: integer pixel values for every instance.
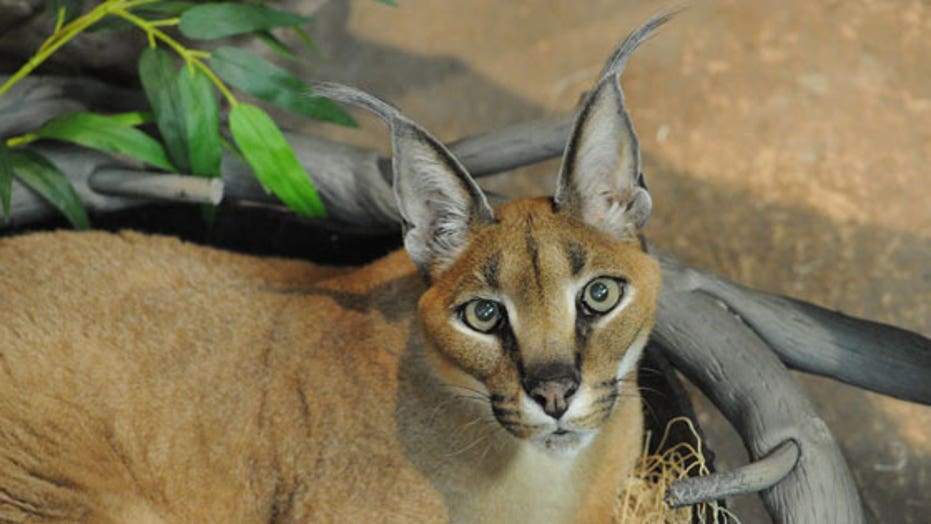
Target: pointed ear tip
(358, 98)
(620, 56)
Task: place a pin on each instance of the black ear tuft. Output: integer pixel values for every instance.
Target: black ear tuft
(600, 180)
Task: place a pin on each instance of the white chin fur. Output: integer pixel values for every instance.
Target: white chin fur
(567, 445)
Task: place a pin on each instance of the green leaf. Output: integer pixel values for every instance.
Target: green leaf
(273, 161)
(267, 38)
(6, 179)
(133, 119)
(264, 80)
(201, 122)
(159, 80)
(43, 177)
(392, 3)
(217, 20)
(106, 134)
(151, 11)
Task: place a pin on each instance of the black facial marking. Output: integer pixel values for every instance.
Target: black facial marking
(504, 413)
(490, 271)
(532, 250)
(607, 399)
(599, 414)
(577, 257)
(509, 346)
(583, 330)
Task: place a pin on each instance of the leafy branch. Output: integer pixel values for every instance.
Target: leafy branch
(191, 57)
(63, 34)
(183, 102)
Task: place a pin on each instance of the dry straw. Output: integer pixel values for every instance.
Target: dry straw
(640, 496)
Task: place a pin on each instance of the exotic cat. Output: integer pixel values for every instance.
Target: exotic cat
(485, 373)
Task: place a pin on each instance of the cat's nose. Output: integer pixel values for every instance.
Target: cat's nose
(552, 387)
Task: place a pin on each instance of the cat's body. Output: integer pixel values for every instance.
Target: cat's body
(204, 386)
(486, 375)
(201, 387)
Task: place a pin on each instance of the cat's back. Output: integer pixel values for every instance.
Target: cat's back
(145, 377)
(64, 268)
(93, 302)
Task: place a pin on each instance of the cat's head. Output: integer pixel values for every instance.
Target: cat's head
(539, 309)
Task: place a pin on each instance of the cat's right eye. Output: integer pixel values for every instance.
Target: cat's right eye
(601, 295)
(482, 315)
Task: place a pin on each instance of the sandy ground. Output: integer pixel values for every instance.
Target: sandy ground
(787, 147)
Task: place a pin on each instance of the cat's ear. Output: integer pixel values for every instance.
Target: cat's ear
(439, 201)
(600, 181)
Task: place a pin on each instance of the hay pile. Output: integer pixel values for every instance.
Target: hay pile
(640, 496)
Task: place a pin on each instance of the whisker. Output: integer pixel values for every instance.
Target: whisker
(480, 393)
(473, 422)
(441, 405)
(469, 446)
(488, 447)
(652, 371)
(592, 415)
(651, 390)
(629, 394)
(647, 406)
(611, 397)
(481, 400)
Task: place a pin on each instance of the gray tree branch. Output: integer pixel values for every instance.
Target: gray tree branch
(756, 476)
(745, 379)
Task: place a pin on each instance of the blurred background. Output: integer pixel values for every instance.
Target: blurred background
(787, 145)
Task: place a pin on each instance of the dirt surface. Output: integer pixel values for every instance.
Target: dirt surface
(787, 147)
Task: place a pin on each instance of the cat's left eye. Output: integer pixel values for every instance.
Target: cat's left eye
(482, 315)
(602, 294)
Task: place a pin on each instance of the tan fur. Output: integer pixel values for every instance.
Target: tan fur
(143, 379)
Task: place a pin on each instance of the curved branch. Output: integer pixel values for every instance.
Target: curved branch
(754, 391)
(871, 355)
(755, 476)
